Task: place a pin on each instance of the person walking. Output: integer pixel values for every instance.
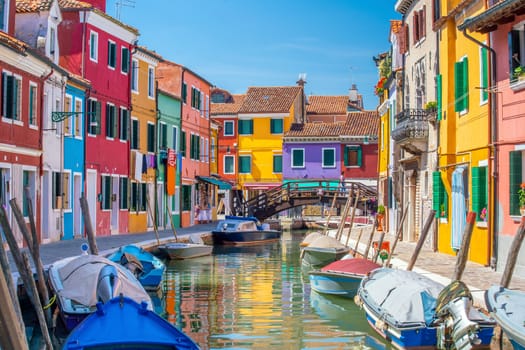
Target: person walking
(342, 181)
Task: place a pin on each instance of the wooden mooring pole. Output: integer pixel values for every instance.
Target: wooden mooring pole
(352, 218)
(461, 261)
(87, 223)
(12, 333)
(513, 254)
(424, 233)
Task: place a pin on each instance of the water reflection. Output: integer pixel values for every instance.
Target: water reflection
(256, 297)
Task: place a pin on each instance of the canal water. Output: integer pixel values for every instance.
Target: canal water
(258, 297)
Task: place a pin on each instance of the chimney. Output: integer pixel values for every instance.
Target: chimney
(353, 95)
(302, 80)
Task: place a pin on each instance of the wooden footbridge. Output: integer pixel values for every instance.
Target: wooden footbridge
(298, 193)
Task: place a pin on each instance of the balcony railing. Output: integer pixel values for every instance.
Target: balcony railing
(411, 124)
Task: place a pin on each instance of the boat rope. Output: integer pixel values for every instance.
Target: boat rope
(51, 301)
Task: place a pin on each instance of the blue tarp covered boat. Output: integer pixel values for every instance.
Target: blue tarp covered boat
(148, 269)
(413, 311)
(122, 323)
(508, 309)
(238, 230)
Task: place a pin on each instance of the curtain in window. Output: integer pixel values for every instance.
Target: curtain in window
(459, 217)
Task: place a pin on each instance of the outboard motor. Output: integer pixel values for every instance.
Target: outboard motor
(452, 308)
(107, 283)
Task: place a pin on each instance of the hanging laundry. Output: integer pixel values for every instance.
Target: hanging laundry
(154, 161)
(138, 166)
(144, 164)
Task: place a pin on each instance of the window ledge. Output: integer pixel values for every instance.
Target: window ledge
(517, 85)
(481, 224)
(516, 218)
(443, 220)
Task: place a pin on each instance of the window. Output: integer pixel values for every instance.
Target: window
(195, 147)
(479, 190)
(94, 117)
(229, 164)
(163, 136)
(138, 197)
(4, 13)
(436, 9)
(195, 98)
(246, 127)
(105, 204)
(517, 51)
(52, 40)
(134, 142)
(207, 106)
(33, 103)
(297, 157)
(352, 156)
(60, 190)
(461, 94)
(228, 128)
(183, 143)
(213, 149)
(419, 25)
(77, 117)
(277, 163)
(134, 75)
(206, 150)
(184, 92)
(483, 75)
(276, 126)
(93, 46)
(112, 54)
(111, 121)
(175, 138)
(245, 164)
(439, 195)
(66, 123)
(186, 197)
(151, 137)
(151, 82)
(123, 125)
(124, 64)
(516, 178)
(11, 96)
(328, 157)
(29, 182)
(123, 193)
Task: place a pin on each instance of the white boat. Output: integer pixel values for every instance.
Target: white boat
(507, 306)
(322, 251)
(179, 250)
(81, 282)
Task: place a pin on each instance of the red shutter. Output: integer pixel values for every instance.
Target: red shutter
(414, 29)
(407, 41)
(423, 21)
(402, 39)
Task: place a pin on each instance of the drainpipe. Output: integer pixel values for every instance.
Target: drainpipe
(493, 131)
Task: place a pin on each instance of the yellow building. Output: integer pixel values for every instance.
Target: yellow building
(142, 141)
(460, 182)
(266, 114)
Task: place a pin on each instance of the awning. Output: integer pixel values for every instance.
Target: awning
(223, 185)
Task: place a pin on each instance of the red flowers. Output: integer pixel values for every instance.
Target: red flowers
(380, 86)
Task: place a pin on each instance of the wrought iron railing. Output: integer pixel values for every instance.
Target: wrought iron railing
(411, 124)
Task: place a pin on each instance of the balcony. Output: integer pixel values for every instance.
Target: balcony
(411, 131)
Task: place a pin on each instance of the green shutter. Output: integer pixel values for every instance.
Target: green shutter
(184, 92)
(346, 158)
(479, 189)
(438, 193)
(465, 84)
(359, 156)
(183, 143)
(515, 171)
(458, 86)
(98, 116)
(278, 164)
(484, 74)
(439, 94)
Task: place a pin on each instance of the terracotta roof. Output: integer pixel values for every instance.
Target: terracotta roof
(27, 6)
(228, 107)
(362, 123)
(169, 76)
(270, 99)
(12, 42)
(395, 25)
(327, 105)
(488, 21)
(365, 123)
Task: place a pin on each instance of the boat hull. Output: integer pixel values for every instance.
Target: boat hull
(315, 257)
(141, 328)
(179, 251)
(334, 283)
(245, 237)
(507, 307)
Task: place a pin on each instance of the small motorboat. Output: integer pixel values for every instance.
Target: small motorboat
(412, 311)
(238, 230)
(322, 251)
(341, 277)
(81, 282)
(180, 250)
(148, 269)
(507, 307)
(122, 323)
(312, 236)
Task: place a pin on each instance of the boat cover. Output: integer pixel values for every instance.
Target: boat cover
(311, 237)
(354, 266)
(508, 309)
(406, 296)
(326, 242)
(79, 279)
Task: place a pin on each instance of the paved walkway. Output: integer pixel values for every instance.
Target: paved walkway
(437, 266)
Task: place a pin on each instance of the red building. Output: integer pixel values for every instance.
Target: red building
(98, 47)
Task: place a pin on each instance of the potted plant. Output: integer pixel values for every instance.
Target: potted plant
(431, 106)
(380, 216)
(519, 73)
(483, 214)
(442, 211)
(521, 199)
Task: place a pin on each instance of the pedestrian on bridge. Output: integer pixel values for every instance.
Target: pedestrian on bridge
(342, 181)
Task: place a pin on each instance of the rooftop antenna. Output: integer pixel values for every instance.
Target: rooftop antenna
(120, 3)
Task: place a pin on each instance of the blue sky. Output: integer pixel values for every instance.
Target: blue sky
(235, 44)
